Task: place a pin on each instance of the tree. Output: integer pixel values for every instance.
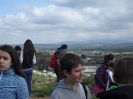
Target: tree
(83, 56)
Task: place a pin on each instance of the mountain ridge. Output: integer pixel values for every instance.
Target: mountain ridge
(88, 44)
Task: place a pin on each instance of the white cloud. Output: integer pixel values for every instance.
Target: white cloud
(67, 20)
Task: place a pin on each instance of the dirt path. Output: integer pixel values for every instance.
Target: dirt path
(35, 97)
(40, 97)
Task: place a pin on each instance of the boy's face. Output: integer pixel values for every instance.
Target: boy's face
(113, 60)
(58, 61)
(76, 75)
(18, 51)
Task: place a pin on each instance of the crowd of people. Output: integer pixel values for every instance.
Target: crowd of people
(113, 77)
(16, 69)
(13, 82)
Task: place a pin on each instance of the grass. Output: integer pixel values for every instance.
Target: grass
(43, 92)
(41, 87)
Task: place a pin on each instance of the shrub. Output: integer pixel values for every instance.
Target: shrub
(44, 84)
(43, 92)
(89, 81)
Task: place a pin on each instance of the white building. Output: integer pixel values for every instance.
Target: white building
(90, 69)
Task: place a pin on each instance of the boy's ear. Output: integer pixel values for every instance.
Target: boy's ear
(65, 73)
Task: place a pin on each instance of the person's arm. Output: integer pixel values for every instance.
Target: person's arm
(111, 76)
(21, 56)
(34, 59)
(22, 90)
(99, 77)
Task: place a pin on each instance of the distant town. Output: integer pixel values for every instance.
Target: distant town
(92, 57)
(92, 52)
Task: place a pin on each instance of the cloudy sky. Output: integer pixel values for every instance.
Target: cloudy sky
(52, 21)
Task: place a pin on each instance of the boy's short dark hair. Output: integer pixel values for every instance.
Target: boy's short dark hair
(17, 48)
(64, 46)
(111, 64)
(69, 61)
(123, 70)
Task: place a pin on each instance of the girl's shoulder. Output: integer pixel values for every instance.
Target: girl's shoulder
(18, 78)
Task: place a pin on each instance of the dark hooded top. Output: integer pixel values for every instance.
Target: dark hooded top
(123, 92)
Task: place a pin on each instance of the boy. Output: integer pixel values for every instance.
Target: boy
(123, 76)
(58, 69)
(70, 87)
(18, 49)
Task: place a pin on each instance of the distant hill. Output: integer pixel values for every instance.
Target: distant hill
(90, 45)
(105, 41)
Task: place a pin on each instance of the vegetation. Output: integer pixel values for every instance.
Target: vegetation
(43, 85)
(89, 81)
(44, 57)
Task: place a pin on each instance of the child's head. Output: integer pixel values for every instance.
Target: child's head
(28, 43)
(28, 46)
(111, 66)
(64, 46)
(29, 50)
(70, 61)
(18, 49)
(109, 58)
(9, 57)
(58, 60)
(123, 71)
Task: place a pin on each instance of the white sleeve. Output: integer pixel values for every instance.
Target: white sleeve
(111, 76)
(21, 56)
(34, 59)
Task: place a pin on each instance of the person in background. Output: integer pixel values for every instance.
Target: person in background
(70, 87)
(110, 72)
(123, 76)
(58, 67)
(101, 74)
(61, 51)
(18, 49)
(13, 83)
(28, 58)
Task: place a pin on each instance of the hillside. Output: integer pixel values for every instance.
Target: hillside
(89, 45)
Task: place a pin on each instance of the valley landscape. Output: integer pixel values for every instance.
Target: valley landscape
(92, 55)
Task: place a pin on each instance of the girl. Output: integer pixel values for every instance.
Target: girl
(28, 58)
(12, 79)
(101, 74)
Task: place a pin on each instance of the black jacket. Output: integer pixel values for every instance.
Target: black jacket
(123, 92)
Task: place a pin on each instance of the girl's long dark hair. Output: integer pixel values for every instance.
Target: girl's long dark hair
(108, 58)
(29, 50)
(14, 58)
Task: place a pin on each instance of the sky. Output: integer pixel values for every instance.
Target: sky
(54, 21)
